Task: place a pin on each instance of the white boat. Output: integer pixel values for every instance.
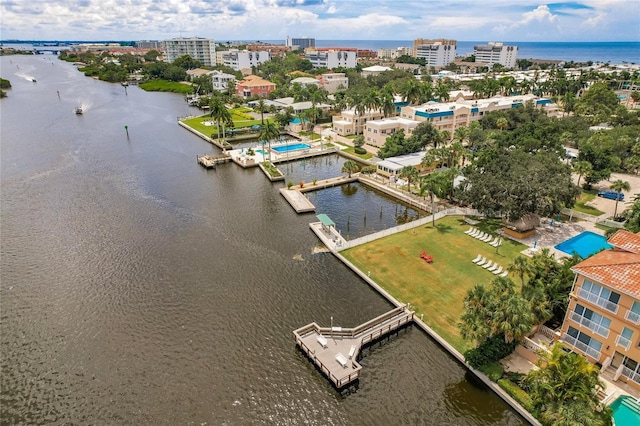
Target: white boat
(79, 110)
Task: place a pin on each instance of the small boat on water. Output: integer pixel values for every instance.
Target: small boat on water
(33, 79)
(79, 110)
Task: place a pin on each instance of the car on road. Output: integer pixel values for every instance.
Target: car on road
(610, 194)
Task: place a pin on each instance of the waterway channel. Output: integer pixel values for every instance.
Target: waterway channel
(138, 288)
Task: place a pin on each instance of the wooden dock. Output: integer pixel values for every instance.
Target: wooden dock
(209, 161)
(334, 350)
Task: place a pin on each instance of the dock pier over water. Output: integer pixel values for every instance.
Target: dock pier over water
(334, 350)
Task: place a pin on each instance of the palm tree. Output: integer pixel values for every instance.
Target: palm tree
(619, 186)
(411, 91)
(269, 131)
(350, 167)
(261, 107)
(582, 168)
(219, 112)
(433, 184)
(521, 267)
(409, 173)
(502, 123)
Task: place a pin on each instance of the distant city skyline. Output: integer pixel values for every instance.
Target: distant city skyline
(221, 20)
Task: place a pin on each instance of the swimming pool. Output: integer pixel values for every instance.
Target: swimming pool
(626, 411)
(287, 148)
(584, 244)
(297, 121)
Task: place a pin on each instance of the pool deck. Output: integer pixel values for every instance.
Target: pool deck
(548, 236)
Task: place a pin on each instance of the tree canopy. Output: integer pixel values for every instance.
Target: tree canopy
(512, 183)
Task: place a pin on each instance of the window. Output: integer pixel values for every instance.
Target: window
(599, 295)
(633, 314)
(624, 339)
(592, 320)
(583, 342)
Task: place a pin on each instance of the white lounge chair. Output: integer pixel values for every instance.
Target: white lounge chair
(321, 339)
(487, 238)
(352, 351)
(497, 243)
(497, 270)
(471, 229)
(475, 232)
(488, 265)
(342, 360)
(477, 259)
(480, 236)
(482, 262)
(494, 267)
(504, 274)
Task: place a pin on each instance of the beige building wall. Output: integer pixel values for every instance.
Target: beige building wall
(349, 123)
(608, 329)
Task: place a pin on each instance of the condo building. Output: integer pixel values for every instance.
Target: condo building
(437, 53)
(333, 57)
(243, 59)
(496, 53)
(221, 80)
(300, 43)
(334, 82)
(201, 49)
(603, 317)
(394, 53)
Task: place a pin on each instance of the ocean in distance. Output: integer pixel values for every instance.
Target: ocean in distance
(613, 52)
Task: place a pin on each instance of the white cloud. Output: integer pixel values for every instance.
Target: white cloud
(541, 13)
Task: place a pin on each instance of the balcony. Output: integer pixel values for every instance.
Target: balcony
(581, 346)
(596, 328)
(630, 374)
(623, 341)
(597, 300)
(632, 317)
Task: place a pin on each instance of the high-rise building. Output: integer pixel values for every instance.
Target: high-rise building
(300, 43)
(201, 49)
(150, 44)
(496, 53)
(330, 58)
(437, 53)
(244, 59)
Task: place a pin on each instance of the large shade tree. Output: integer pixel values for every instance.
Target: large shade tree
(513, 183)
(269, 132)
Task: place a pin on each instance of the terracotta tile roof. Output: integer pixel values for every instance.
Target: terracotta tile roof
(615, 268)
(626, 240)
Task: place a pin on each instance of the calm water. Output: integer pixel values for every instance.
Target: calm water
(138, 287)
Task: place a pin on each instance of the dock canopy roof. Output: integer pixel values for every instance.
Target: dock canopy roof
(326, 221)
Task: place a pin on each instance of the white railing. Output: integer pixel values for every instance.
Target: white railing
(583, 347)
(623, 341)
(597, 300)
(603, 331)
(630, 374)
(533, 346)
(549, 333)
(633, 317)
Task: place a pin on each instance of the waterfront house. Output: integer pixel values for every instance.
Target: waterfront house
(376, 132)
(603, 317)
(351, 123)
(254, 86)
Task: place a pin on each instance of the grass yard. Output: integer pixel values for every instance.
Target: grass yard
(239, 120)
(581, 203)
(350, 150)
(166, 86)
(436, 289)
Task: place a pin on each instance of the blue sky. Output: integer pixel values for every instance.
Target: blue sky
(222, 20)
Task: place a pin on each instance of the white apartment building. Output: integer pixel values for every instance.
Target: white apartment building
(496, 53)
(350, 123)
(331, 58)
(437, 53)
(394, 53)
(334, 82)
(241, 59)
(221, 80)
(451, 115)
(201, 49)
(376, 132)
(300, 43)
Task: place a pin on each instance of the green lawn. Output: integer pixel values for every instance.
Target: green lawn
(350, 150)
(166, 86)
(437, 289)
(581, 203)
(239, 120)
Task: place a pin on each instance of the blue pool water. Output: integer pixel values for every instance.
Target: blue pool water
(287, 148)
(297, 121)
(626, 411)
(584, 244)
